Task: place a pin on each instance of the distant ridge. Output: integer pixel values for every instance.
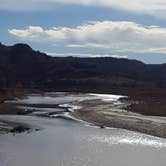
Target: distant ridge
(21, 66)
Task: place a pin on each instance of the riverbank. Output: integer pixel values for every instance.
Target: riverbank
(13, 127)
(9, 109)
(104, 117)
(144, 113)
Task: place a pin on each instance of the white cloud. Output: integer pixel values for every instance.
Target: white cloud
(108, 35)
(85, 55)
(153, 7)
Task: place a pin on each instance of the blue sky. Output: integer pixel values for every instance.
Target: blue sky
(91, 29)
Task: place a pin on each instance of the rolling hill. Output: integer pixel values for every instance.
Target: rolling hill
(21, 66)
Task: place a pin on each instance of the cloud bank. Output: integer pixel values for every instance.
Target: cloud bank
(54, 54)
(152, 7)
(107, 35)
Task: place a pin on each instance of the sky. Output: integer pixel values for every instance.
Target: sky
(88, 28)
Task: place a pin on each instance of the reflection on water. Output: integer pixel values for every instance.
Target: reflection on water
(71, 143)
(62, 98)
(130, 138)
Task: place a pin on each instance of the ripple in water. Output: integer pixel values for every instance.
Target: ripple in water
(128, 137)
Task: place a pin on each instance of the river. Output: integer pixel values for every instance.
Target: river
(68, 142)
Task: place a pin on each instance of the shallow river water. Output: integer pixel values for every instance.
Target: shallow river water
(62, 142)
